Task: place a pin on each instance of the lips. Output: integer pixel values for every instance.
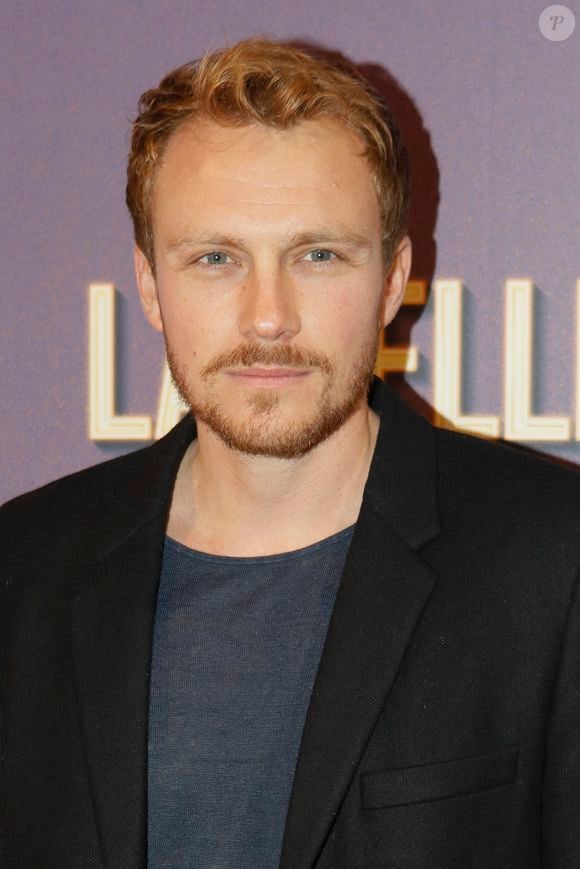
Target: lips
(269, 378)
(269, 372)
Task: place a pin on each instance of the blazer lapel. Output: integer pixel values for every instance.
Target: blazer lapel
(112, 611)
(382, 593)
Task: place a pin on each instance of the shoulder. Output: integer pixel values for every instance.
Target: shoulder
(70, 493)
(84, 514)
(492, 485)
(489, 463)
(46, 517)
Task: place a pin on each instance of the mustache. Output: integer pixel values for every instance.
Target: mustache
(286, 355)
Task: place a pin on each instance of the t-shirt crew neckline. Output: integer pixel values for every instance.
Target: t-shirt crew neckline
(304, 551)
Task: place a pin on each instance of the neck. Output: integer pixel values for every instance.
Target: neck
(229, 503)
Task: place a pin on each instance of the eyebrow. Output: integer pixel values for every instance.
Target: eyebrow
(322, 235)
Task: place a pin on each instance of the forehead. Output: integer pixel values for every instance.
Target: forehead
(265, 173)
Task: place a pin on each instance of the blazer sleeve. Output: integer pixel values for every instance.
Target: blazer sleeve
(561, 797)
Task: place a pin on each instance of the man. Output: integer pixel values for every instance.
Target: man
(304, 629)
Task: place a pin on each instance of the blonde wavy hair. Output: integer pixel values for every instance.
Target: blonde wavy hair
(279, 85)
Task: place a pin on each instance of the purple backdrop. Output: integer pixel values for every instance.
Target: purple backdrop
(493, 109)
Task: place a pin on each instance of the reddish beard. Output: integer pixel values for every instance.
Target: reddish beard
(262, 435)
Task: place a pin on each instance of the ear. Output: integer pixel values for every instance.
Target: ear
(147, 289)
(396, 281)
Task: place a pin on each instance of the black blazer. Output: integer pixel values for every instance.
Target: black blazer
(444, 725)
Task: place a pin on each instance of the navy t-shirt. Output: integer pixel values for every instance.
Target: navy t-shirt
(237, 644)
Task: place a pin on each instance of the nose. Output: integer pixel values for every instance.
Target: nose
(268, 305)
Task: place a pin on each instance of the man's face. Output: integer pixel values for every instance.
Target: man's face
(268, 256)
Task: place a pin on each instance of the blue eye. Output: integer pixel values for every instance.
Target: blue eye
(321, 256)
(215, 258)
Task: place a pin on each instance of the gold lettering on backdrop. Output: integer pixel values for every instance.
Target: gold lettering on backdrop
(520, 422)
(448, 363)
(104, 423)
(402, 359)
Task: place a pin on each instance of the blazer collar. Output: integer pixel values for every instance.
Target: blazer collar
(135, 489)
(383, 590)
(401, 484)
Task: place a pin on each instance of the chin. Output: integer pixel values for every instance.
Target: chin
(268, 431)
